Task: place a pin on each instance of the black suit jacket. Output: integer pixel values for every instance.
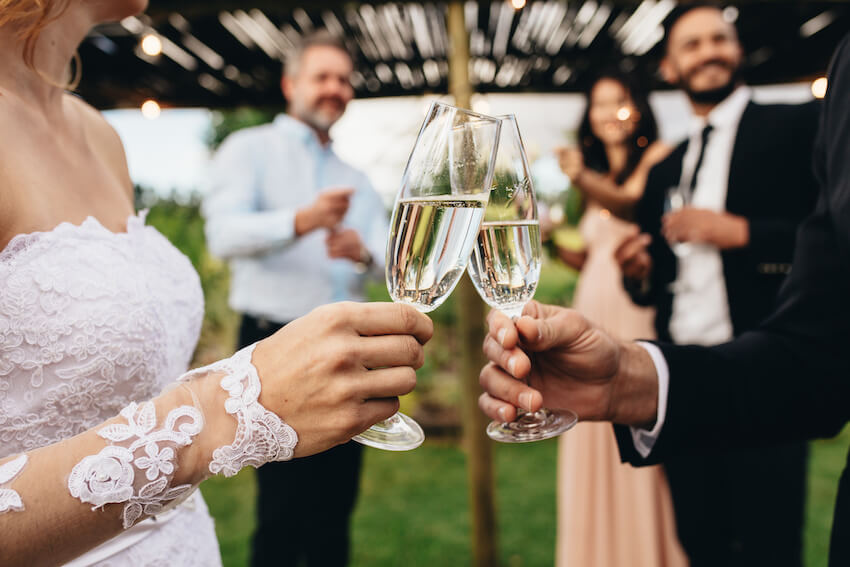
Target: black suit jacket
(790, 379)
(771, 184)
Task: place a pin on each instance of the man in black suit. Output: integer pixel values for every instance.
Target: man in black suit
(739, 186)
(787, 380)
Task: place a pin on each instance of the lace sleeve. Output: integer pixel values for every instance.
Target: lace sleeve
(138, 465)
(261, 436)
(9, 499)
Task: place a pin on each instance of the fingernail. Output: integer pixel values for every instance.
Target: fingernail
(503, 414)
(525, 400)
(501, 336)
(512, 366)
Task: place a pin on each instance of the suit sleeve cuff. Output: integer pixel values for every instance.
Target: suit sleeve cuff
(643, 439)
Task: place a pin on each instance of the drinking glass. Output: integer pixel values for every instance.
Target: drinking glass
(435, 222)
(675, 199)
(505, 267)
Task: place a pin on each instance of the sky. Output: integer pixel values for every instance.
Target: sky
(169, 153)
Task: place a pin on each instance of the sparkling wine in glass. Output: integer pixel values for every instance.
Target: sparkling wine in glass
(505, 267)
(435, 223)
(676, 199)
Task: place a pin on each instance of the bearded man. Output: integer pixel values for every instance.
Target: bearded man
(718, 221)
(300, 228)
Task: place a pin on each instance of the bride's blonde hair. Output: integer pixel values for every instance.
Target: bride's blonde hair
(29, 18)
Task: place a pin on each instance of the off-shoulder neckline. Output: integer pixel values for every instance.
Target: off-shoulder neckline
(24, 239)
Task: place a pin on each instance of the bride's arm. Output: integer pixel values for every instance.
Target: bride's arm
(311, 383)
(50, 526)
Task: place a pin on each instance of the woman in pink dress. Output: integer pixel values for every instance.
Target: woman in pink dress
(610, 514)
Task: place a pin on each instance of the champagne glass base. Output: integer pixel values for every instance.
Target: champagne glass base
(532, 426)
(398, 433)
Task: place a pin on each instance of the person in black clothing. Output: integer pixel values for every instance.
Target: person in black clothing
(738, 188)
(786, 380)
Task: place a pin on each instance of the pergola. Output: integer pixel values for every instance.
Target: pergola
(223, 53)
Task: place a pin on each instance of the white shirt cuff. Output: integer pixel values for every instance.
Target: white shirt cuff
(644, 440)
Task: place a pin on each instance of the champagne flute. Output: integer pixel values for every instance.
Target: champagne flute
(505, 267)
(435, 223)
(675, 199)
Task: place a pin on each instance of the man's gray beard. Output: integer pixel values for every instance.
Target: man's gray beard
(315, 120)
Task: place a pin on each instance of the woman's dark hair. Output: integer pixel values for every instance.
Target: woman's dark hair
(645, 133)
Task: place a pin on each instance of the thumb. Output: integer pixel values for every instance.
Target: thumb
(551, 332)
(536, 334)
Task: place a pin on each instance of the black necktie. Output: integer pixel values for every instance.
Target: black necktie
(704, 137)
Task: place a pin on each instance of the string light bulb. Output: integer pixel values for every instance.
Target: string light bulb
(518, 4)
(151, 44)
(623, 113)
(151, 109)
(819, 87)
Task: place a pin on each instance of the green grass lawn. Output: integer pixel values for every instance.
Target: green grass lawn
(826, 461)
(413, 508)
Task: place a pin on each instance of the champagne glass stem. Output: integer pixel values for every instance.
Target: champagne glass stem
(531, 426)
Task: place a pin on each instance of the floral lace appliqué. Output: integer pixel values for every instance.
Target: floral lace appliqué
(136, 469)
(261, 436)
(9, 499)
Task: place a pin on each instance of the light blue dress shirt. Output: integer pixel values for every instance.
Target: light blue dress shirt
(260, 177)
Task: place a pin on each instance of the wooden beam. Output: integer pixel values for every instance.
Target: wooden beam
(158, 8)
(471, 329)
(161, 8)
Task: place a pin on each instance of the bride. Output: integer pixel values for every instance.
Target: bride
(103, 434)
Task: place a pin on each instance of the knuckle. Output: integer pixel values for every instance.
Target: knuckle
(416, 354)
(408, 380)
(380, 411)
(345, 355)
(394, 406)
(504, 389)
(333, 315)
(353, 422)
(484, 375)
(340, 391)
(407, 317)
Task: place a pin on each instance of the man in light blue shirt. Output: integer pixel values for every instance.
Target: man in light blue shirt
(300, 228)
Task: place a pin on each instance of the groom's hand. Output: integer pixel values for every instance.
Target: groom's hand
(555, 358)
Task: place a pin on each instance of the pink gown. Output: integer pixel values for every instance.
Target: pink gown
(610, 514)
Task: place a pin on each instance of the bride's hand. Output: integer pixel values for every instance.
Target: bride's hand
(335, 372)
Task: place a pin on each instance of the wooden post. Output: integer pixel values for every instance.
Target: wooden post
(470, 310)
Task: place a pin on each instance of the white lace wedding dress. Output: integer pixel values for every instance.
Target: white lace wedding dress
(90, 321)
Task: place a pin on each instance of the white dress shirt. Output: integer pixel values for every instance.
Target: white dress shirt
(260, 178)
(700, 304)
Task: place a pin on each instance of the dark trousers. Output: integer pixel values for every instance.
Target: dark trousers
(303, 505)
(742, 508)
